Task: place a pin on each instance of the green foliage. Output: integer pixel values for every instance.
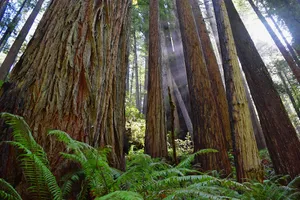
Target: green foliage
(184, 147)
(136, 123)
(7, 191)
(145, 177)
(121, 195)
(33, 159)
(271, 189)
(1, 83)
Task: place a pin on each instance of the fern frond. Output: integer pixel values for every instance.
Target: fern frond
(121, 195)
(195, 193)
(7, 191)
(186, 163)
(71, 144)
(69, 180)
(22, 134)
(175, 180)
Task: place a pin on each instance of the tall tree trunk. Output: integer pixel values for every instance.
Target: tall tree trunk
(259, 136)
(178, 71)
(155, 138)
(146, 42)
(172, 60)
(182, 107)
(15, 48)
(244, 144)
(127, 78)
(11, 26)
(72, 77)
(212, 21)
(136, 68)
(290, 48)
(280, 135)
(214, 73)
(207, 126)
(3, 6)
(289, 93)
(295, 69)
(172, 114)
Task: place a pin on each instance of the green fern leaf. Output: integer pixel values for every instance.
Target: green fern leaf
(7, 191)
(121, 195)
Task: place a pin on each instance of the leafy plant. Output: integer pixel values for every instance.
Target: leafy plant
(271, 189)
(145, 177)
(33, 159)
(7, 191)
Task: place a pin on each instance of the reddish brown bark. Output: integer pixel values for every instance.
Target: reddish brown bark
(214, 73)
(244, 145)
(207, 132)
(72, 77)
(155, 138)
(280, 135)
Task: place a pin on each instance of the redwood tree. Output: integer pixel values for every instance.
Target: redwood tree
(214, 73)
(72, 77)
(280, 135)
(155, 138)
(289, 59)
(207, 129)
(244, 144)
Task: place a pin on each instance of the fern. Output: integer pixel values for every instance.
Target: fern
(7, 191)
(186, 163)
(121, 195)
(98, 174)
(33, 159)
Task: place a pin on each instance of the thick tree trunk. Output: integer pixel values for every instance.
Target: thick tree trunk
(136, 69)
(280, 135)
(207, 126)
(244, 144)
(289, 93)
(3, 6)
(178, 71)
(15, 48)
(295, 69)
(214, 73)
(11, 26)
(72, 77)
(155, 138)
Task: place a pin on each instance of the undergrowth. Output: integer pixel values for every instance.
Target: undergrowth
(144, 178)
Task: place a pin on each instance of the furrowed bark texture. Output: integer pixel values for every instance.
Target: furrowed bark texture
(207, 127)
(244, 144)
(214, 73)
(280, 135)
(72, 77)
(155, 138)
